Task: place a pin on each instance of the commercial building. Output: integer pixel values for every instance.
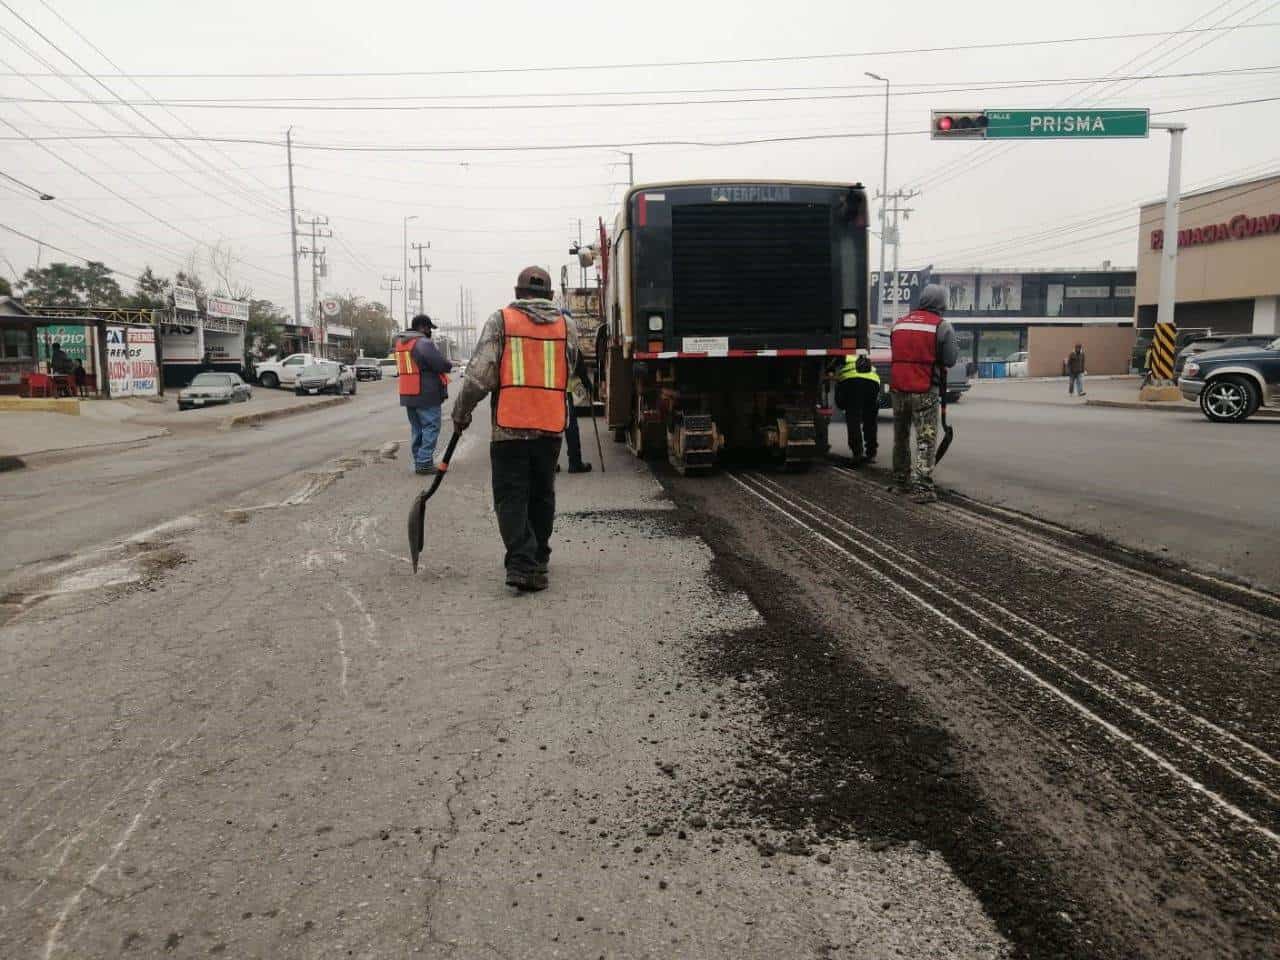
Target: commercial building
(997, 313)
(1228, 259)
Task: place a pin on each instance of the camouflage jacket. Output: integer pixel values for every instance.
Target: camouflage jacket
(483, 371)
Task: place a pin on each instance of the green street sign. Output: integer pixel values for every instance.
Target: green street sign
(1066, 124)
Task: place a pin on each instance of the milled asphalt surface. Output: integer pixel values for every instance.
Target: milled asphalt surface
(252, 732)
(1200, 493)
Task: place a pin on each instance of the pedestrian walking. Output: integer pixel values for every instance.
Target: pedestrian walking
(924, 347)
(1075, 371)
(523, 358)
(82, 378)
(858, 395)
(422, 379)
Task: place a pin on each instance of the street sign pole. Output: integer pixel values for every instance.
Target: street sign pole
(1166, 328)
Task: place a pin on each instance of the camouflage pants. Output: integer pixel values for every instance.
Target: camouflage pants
(913, 466)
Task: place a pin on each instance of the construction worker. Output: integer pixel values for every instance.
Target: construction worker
(858, 395)
(422, 379)
(572, 435)
(924, 347)
(523, 358)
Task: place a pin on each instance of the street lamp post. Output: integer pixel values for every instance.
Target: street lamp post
(406, 266)
(884, 191)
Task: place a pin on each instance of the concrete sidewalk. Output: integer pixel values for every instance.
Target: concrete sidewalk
(27, 434)
(332, 756)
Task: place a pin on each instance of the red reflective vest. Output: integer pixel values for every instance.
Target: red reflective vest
(534, 374)
(913, 341)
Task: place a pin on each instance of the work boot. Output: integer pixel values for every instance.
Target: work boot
(898, 488)
(580, 468)
(924, 495)
(527, 582)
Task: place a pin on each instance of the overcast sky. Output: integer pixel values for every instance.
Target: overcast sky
(487, 214)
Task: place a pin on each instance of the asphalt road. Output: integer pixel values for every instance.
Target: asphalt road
(1202, 494)
(93, 496)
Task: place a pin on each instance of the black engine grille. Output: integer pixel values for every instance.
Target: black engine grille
(751, 268)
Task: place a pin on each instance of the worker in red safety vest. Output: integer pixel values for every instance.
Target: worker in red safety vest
(422, 376)
(523, 357)
(924, 347)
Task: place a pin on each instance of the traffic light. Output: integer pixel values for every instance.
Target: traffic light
(958, 125)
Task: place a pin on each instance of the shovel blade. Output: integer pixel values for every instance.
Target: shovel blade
(417, 527)
(948, 434)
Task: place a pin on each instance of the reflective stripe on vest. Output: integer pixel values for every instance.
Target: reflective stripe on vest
(409, 377)
(913, 341)
(850, 371)
(534, 374)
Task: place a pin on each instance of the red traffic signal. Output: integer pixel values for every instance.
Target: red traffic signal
(958, 124)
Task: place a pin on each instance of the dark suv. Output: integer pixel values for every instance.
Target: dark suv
(1223, 341)
(1231, 384)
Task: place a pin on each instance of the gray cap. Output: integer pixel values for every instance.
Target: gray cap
(933, 298)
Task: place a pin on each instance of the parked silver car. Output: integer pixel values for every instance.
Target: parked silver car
(208, 389)
(325, 376)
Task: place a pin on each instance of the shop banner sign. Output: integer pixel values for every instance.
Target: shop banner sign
(181, 342)
(1000, 292)
(74, 341)
(225, 307)
(131, 361)
(184, 298)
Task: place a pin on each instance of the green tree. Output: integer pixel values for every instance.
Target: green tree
(151, 291)
(65, 285)
(5, 289)
(370, 322)
(264, 328)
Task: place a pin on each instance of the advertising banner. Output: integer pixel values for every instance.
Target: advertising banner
(184, 298)
(1001, 292)
(960, 290)
(225, 307)
(74, 341)
(131, 361)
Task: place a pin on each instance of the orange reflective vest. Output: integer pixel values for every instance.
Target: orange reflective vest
(534, 374)
(408, 376)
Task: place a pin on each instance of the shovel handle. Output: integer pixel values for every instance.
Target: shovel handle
(448, 452)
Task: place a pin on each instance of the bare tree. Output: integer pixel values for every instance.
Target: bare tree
(222, 260)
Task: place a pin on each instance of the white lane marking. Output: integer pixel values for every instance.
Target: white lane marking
(370, 624)
(51, 943)
(1194, 784)
(1080, 654)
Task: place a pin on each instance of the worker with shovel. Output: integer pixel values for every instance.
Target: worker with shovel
(924, 347)
(523, 357)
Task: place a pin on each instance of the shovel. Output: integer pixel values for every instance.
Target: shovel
(418, 509)
(948, 434)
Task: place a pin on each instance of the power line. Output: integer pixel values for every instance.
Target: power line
(797, 58)
(27, 236)
(542, 147)
(337, 104)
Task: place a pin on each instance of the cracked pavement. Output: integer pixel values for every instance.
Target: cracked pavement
(259, 735)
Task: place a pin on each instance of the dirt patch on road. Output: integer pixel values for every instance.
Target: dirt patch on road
(854, 755)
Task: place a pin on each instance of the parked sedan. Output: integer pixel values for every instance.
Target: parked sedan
(243, 390)
(208, 389)
(1232, 384)
(325, 376)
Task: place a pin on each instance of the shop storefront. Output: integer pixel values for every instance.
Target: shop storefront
(193, 341)
(998, 314)
(1228, 259)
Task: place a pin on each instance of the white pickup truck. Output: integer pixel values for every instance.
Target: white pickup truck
(283, 373)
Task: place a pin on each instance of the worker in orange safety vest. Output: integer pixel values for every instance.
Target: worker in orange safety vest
(523, 358)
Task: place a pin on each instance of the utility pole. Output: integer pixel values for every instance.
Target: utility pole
(405, 238)
(422, 269)
(319, 229)
(898, 197)
(884, 189)
(1165, 335)
(293, 232)
(389, 284)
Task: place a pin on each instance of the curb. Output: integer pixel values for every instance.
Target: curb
(40, 457)
(1181, 406)
(253, 419)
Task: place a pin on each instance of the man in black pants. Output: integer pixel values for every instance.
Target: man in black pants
(523, 358)
(858, 395)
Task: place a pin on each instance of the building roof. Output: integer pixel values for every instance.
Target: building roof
(12, 306)
(1256, 183)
